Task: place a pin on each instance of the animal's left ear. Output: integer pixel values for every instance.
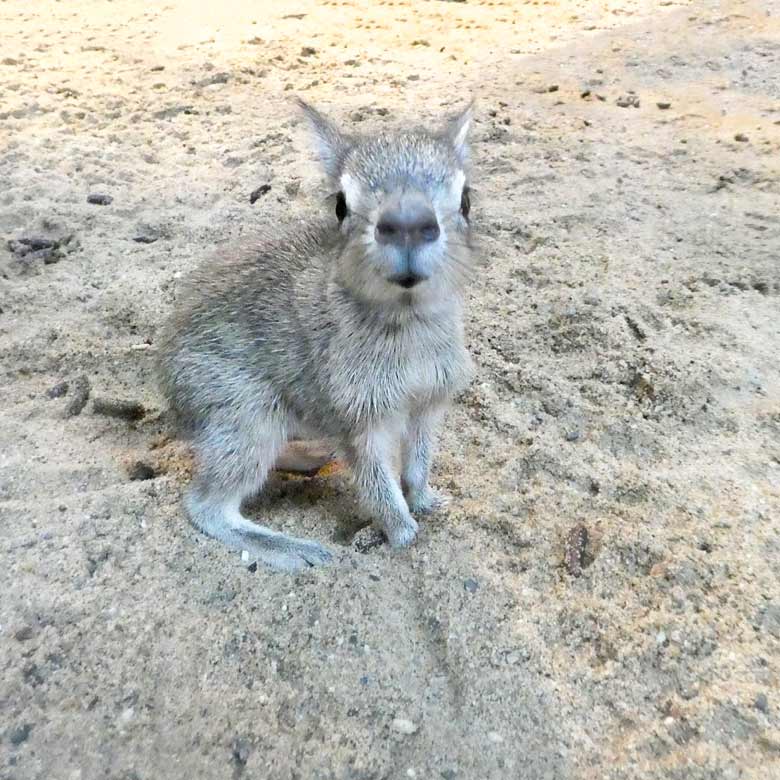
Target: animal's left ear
(457, 131)
(332, 145)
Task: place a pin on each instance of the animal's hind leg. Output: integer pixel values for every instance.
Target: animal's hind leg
(233, 463)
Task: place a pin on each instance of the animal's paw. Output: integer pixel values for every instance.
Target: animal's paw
(402, 534)
(427, 501)
(288, 554)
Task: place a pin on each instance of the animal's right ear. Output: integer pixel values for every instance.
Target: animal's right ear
(457, 131)
(332, 146)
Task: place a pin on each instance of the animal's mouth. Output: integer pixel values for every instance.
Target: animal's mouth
(407, 280)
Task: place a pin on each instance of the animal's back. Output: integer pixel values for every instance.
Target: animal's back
(238, 321)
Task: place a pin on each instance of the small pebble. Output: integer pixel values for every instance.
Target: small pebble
(125, 410)
(663, 105)
(741, 137)
(78, 401)
(36, 243)
(99, 199)
(405, 726)
(60, 389)
(263, 189)
(628, 101)
(574, 550)
(761, 702)
(470, 585)
(23, 634)
(308, 51)
(20, 734)
(241, 751)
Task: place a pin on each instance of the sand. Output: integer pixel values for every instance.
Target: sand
(601, 598)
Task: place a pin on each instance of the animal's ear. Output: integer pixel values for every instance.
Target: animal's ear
(332, 146)
(457, 131)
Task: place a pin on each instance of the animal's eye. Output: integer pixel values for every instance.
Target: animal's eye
(465, 202)
(341, 207)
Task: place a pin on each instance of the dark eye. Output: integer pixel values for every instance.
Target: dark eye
(341, 207)
(465, 202)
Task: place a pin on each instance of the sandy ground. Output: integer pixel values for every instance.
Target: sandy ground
(625, 324)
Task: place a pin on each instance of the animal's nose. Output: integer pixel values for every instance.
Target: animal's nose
(407, 225)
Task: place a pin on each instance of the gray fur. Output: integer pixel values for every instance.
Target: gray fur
(303, 335)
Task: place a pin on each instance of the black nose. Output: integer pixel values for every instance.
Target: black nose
(411, 226)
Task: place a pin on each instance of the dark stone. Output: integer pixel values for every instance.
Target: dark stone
(99, 199)
(78, 401)
(145, 239)
(60, 389)
(49, 256)
(141, 471)
(574, 550)
(49, 250)
(470, 585)
(308, 51)
(217, 78)
(252, 567)
(125, 410)
(741, 137)
(761, 702)
(263, 189)
(20, 733)
(241, 750)
(628, 101)
(23, 634)
(663, 105)
(36, 243)
(172, 111)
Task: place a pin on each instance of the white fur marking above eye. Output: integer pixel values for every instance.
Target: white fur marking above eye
(456, 188)
(351, 189)
(447, 200)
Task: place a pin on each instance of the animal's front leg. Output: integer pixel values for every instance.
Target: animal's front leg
(370, 459)
(417, 446)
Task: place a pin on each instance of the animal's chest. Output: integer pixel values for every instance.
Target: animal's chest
(374, 377)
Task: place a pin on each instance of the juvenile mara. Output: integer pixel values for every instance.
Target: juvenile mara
(348, 329)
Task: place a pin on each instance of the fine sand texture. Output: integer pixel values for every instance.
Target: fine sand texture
(600, 601)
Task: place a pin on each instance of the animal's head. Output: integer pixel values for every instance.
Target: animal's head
(402, 205)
